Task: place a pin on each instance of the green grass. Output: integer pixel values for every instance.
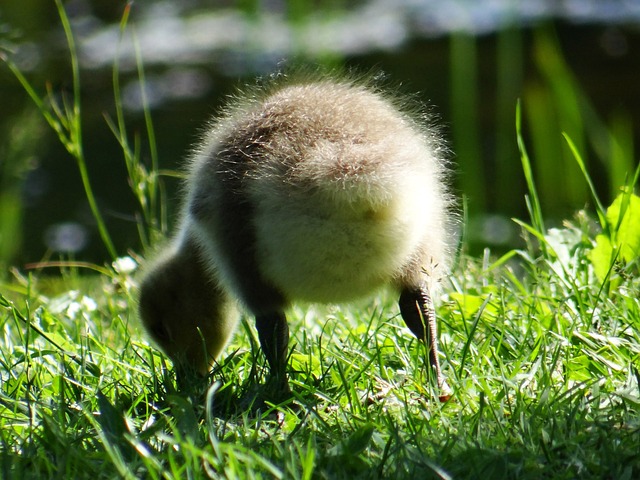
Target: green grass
(541, 361)
(540, 347)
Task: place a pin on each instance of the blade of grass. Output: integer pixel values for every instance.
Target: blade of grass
(474, 326)
(145, 183)
(600, 209)
(156, 219)
(75, 133)
(535, 209)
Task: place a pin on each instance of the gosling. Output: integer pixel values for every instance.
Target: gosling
(317, 191)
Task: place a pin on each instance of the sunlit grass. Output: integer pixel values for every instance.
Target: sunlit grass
(541, 361)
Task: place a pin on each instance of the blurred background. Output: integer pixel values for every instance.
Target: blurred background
(574, 65)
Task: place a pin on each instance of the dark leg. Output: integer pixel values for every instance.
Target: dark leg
(416, 308)
(273, 332)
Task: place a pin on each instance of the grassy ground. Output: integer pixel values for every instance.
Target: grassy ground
(542, 362)
(540, 348)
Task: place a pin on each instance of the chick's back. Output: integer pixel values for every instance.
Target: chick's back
(325, 191)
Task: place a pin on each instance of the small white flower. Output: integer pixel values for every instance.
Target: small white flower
(88, 304)
(73, 309)
(124, 265)
(72, 303)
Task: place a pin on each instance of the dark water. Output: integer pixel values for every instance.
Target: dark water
(194, 58)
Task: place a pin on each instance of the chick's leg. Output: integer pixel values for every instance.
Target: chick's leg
(416, 308)
(273, 332)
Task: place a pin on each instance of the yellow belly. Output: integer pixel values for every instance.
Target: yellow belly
(336, 254)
